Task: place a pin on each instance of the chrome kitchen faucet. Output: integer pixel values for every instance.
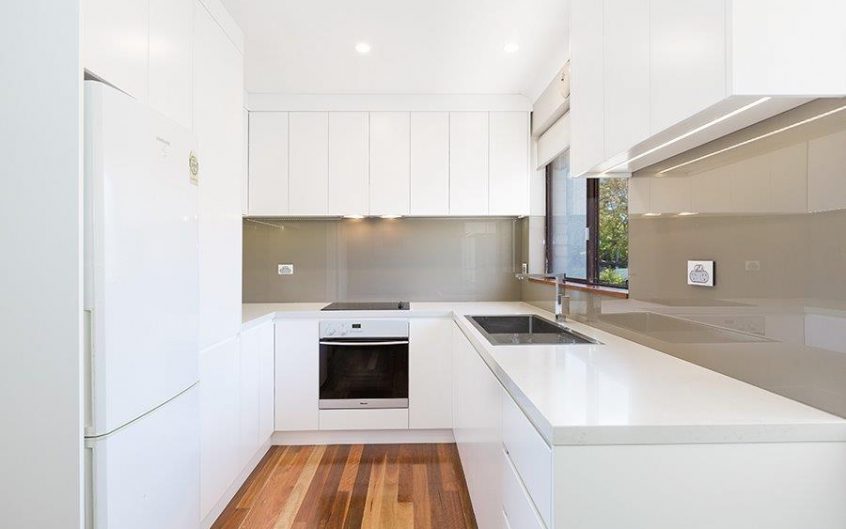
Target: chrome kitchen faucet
(562, 301)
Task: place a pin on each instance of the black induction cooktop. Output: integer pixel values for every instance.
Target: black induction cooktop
(368, 305)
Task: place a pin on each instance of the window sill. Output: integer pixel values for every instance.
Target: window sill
(600, 290)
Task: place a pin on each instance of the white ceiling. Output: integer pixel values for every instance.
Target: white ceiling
(418, 47)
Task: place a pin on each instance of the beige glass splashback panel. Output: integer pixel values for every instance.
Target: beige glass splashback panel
(382, 259)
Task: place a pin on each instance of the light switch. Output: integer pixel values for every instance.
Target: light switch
(285, 270)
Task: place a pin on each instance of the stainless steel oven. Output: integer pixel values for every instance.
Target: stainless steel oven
(363, 364)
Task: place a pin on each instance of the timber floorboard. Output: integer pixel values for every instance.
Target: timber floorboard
(407, 486)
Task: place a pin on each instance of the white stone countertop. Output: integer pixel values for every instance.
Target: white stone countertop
(616, 392)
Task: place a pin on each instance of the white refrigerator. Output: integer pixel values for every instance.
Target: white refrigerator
(141, 306)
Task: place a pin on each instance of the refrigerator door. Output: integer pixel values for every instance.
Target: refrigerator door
(141, 259)
(147, 474)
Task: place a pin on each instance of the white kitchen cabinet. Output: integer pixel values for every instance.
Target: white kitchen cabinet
(477, 416)
(245, 170)
(171, 60)
(349, 163)
(268, 165)
(390, 137)
(517, 505)
(266, 379)
(508, 180)
(219, 421)
(297, 376)
(711, 191)
(248, 396)
(587, 86)
(468, 163)
(687, 59)
(429, 163)
(625, 74)
(751, 185)
(788, 168)
(430, 373)
(115, 43)
(308, 159)
(827, 172)
(639, 191)
(218, 113)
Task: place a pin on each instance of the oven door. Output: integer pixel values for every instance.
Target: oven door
(360, 373)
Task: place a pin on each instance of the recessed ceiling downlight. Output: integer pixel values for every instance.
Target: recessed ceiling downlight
(362, 48)
(511, 47)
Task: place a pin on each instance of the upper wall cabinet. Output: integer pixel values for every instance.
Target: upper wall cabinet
(468, 163)
(508, 189)
(389, 163)
(145, 49)
(349, 163)
(268, 163)
(654, 78)
(308, 163)
(429, 163)
(422, 163)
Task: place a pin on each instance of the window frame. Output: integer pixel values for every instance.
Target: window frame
(592, 239)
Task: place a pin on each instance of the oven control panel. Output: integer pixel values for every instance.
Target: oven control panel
(364, 328)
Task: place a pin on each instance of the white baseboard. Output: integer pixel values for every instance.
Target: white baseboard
(216, 511)
(362, 437)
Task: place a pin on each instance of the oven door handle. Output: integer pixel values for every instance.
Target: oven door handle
(368, 344)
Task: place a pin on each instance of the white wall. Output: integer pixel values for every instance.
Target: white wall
(40, 268)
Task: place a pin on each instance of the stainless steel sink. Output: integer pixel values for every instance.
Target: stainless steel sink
(523, 329)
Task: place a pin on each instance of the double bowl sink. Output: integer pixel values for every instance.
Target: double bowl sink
(526, 329)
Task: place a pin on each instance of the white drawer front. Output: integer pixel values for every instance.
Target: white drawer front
(388, 419)
(530, 454)
(520, 512)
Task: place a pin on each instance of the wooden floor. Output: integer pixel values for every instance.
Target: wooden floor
(419, 486)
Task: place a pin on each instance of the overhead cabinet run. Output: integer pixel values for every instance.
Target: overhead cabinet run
(653, 78)
(388, 164)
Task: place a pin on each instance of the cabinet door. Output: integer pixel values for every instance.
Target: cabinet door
(430, 373)
(115, 43)
(626, 74)
(219, 423)
(688, 59)
(248, 396)
(218, 113)
(478, 408)
(266, 375)
(309, 163)
(468, 163)
(297, 362)
(170, 59)
(389, 163)
(268, 168)
(509, 166)
(349, 163)
(587, 107)
(429, 163)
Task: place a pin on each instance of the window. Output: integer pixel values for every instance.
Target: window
(587, 226)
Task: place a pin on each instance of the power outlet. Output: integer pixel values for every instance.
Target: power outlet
(285, 270)
(753, 266)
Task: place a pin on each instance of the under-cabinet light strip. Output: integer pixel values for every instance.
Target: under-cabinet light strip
(688, 134)
(756, 138)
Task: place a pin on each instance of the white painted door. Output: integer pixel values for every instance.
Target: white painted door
(687, 60)
(268, 166)
(477, 408)
(218, 108)
(430, 373)
(297, 378)
(308, 174)
(429, 163)
(219, 422)
(509, 166)
(115, 43)
(468, 163)
(349, 163)
(626, 74)
(389, 163)
(171, 61)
